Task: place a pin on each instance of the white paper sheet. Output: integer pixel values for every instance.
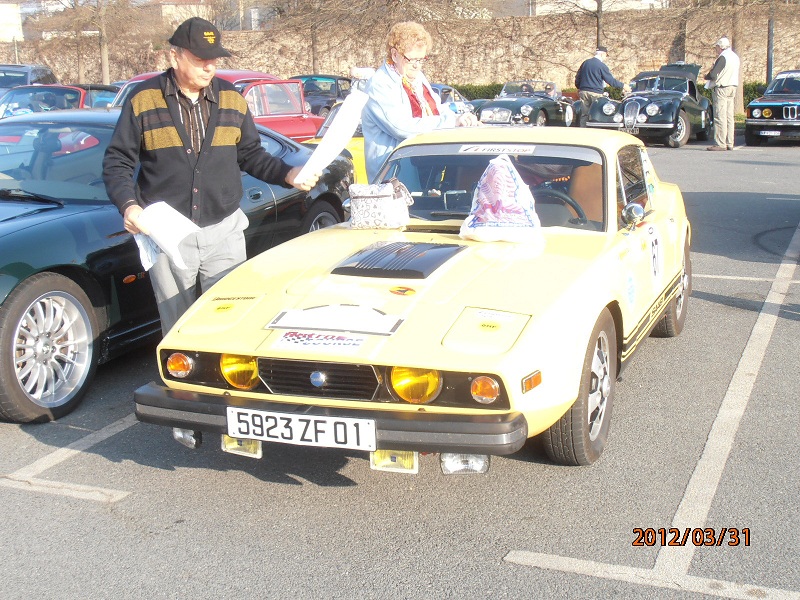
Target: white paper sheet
(166, 229)
(339, 133)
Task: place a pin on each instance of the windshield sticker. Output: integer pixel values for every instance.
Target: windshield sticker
(497, 149)
(345, 318)
(298, 340)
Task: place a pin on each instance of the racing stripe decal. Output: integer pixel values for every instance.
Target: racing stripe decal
(650, 318)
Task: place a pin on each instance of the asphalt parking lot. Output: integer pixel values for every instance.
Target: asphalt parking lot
(703, 443)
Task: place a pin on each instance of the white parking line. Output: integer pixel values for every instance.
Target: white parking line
(26, 477)
(672, 563)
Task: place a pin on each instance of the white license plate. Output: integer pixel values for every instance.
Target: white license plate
(302, 430)
(770, 133)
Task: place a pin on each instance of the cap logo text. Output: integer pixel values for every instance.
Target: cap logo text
(210, 37)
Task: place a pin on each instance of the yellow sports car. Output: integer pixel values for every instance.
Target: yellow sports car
(401, 341)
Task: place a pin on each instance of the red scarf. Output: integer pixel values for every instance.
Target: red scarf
(416, 107)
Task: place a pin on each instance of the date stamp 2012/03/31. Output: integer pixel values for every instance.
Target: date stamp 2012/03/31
(697, 536)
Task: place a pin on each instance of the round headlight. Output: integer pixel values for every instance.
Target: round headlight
(609, 108)
(240, 371)
(641, 118)
(526, 110)
(756, 112)
(651, 109)
(484, 389)
(417, 386)
(618, 118)
(179, 365)
(767, 112)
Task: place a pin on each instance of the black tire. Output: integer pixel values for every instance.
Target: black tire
(324, 111)
(675, 315)
(682, 132)
(751, 137)
(48, 354)
(541, 119)
(579, 436)
(320, 215)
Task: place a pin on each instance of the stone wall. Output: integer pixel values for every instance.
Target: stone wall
(487, 51)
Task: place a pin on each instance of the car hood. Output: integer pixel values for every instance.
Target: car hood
(513, 101)
(342, 292)
(18, 215)
(776, 99)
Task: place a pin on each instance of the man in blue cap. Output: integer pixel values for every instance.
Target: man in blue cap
(591, 79)
(190, 134)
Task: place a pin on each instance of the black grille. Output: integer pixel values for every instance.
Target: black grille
(343, 381)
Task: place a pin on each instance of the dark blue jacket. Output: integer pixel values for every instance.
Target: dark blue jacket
(591, 75)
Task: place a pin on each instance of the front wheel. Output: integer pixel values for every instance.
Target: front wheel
(47, 350)
(541, 119)
(320, 215)
(682, 131)
(579, 436)
(751, 137)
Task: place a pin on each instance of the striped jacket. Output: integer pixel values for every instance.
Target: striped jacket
(204, 187)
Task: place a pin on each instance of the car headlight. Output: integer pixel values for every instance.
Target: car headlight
(416, 386)
(756, 112)
(526, 110)
(484, 389)
(239, 371)
(652, 109)
(640, 118)
(618, 118)
(767, 112)
(179, 365)
(469, 107)
(609, 108)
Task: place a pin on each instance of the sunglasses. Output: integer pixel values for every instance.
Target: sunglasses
(419, 61)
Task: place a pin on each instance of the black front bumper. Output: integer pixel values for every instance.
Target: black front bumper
(395, 430)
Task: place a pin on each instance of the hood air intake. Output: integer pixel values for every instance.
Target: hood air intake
(401, 260)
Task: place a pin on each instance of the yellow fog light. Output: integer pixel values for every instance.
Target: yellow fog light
(417, 386)
(240, 371)
(484, 389)
(767, 112)
(399, 461)
(179, 365)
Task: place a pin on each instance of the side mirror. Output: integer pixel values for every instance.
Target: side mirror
(632, 214)
(761, 89)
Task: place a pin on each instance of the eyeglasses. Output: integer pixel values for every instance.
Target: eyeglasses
(419, 61)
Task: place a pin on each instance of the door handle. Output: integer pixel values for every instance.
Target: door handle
(255, 194)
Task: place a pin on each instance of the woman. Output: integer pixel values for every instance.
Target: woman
(401, 102)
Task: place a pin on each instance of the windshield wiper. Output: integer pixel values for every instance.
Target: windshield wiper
(18, 194)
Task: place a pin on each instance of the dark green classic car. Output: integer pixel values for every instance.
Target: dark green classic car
(664, 106)
(73, 292)
(532, 102)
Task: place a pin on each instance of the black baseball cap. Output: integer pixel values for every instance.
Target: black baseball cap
(199, 37)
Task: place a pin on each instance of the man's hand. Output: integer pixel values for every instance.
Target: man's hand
(310, 182)
(467, 119)
(131, 219)
(626, 89)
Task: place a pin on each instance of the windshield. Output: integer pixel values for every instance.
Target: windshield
(275, 99)
(785, 83)
(529, 87)
(64, 161)
(566, 181)
(652, 84)
(39, 99)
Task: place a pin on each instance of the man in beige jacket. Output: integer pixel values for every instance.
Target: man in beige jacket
(723, 80)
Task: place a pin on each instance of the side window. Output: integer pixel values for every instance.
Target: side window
(271, 145)
(631, 183)
(344, 87)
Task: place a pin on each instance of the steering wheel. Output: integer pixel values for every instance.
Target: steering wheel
(563, 197)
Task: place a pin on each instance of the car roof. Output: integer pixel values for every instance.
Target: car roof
(318, 75)
(45, 86)
(789, 72)
(606, 141)
(85, 116)
(96, 86)
(666, 73)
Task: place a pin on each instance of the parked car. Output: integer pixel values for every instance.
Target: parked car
(280, 105)
(527, 102)
(98, 95)
(776, 114)
(14, 75)
(239, 78)
(393, 342)
(451, 96)
(323, 91)
(25, 99)
(73, 292)
(664, 106)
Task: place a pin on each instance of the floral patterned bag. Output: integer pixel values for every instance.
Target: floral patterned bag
(379, 205)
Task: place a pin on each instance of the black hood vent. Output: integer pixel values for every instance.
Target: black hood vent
(401, 260)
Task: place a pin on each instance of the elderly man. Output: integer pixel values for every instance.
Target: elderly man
(723, 79)
(591, 79)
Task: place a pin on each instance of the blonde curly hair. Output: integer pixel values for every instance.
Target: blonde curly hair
(405, 36)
